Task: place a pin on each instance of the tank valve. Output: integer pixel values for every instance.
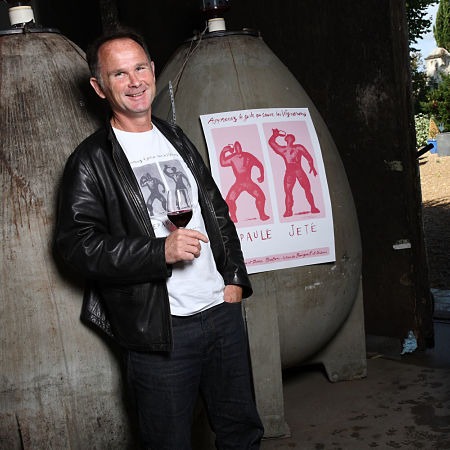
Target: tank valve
(214, 10)
(20, 13)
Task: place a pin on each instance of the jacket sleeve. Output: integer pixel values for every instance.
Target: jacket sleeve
(84, 239)
(233, 268)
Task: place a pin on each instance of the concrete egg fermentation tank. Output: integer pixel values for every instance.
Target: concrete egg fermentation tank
(302, 315)
(59, 384)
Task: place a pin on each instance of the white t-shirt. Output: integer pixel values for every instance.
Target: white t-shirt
(194, 285)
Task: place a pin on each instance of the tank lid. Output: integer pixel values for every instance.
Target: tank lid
(20, 12)
(21, 16)
(214, 10)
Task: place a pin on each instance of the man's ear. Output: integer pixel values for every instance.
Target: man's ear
(97, 88)
(152, 65)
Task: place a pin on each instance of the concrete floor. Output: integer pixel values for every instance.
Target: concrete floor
(403, 403)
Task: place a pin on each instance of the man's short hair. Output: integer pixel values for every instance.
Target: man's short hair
(121, 33)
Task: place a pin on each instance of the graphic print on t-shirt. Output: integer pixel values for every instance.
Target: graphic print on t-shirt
(153, 188)
(176, 176)
(156, 190)
(156, 179)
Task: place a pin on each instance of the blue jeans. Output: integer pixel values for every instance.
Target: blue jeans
(210, 357)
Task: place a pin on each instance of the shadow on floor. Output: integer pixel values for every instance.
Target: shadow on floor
(403, 403)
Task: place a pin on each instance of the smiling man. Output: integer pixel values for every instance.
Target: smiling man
(126, 78)
(171, 298)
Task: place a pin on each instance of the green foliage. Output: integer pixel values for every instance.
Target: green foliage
(418, 24)
(422, 129)
(442, 27)
(437, 105)
(419, 82)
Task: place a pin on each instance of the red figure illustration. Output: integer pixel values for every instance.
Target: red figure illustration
(242, 164)
(292, 155)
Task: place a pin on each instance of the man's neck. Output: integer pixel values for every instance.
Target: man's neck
(133, 125)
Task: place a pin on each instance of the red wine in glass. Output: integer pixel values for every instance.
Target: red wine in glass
(179, 207)
(180, 218)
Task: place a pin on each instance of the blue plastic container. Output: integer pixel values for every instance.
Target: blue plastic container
(435, 146)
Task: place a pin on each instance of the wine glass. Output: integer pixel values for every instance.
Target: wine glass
(179, 207)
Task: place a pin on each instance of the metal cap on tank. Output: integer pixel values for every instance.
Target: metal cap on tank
(20, 13)
(21, 16)
(214, 10)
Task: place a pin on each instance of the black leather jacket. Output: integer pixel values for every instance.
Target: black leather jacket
(104, 232)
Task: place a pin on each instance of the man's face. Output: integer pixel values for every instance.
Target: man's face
(127, 78)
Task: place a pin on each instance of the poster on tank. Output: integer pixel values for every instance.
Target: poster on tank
(269, 168)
